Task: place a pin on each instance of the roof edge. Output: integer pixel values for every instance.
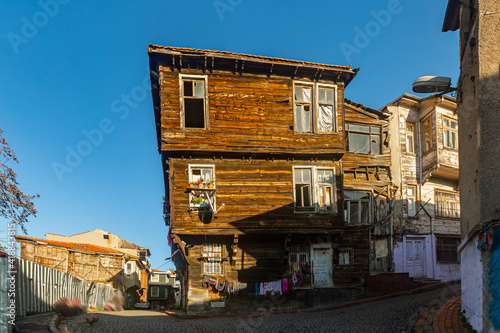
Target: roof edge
(154, 48)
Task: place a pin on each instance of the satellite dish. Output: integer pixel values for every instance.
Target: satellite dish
(432, 84)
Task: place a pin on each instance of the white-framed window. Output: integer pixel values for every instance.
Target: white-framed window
(410, 138)
(315, 107)
(450, 133)
(411, 194)
(426, 134)
(326, 186)
(155, 291)
(357, 207)
(297, 255)
(193, 101)
(447, 204)
(303, 108)
(155, 277)
(346, 257)
(199, 177)
(326, 113)
(363, 139)
(212, 256)
(129, 268)
(314, 189)
(303, 188)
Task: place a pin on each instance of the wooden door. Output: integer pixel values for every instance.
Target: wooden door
(322, 267)
(415, 257)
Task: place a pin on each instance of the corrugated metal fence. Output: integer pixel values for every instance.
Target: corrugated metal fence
(4, 296)
(39, 287)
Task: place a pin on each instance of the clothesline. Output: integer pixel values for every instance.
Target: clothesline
(261, 288)
(231, 287)
(280, 286)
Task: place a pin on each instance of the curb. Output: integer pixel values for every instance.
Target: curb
(53, 323)
(419, 290)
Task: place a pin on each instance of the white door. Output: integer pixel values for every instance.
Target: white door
(322, 267)
(415, 257)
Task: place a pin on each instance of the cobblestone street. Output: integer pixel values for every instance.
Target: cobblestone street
(392, 315)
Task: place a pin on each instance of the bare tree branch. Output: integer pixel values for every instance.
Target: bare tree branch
(14, 204)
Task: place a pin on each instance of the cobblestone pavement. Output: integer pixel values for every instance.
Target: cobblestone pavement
(392, 315)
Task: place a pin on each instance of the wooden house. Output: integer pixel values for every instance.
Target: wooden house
(137, 266)
(162, 289)
(251, 150)
(89, 262)
(104, 238)
(367, 182)
(424, 140)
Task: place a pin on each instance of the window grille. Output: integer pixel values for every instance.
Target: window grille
(447, 249)
(346, 257)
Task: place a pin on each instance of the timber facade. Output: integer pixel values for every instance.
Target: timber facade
(256, 162)
(425, 158)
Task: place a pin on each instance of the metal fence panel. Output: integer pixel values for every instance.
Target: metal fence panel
(39, 287)
(4, 296)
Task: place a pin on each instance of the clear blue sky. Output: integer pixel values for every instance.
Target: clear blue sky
(69, 68)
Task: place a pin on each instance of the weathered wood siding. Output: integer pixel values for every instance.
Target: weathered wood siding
(90, 266)
(429, 158)
(433, 173)
(356, 238)
(258, 197)
(367, 171)
(247, 112)
(440, 225)
(263, 258)
(446, 156)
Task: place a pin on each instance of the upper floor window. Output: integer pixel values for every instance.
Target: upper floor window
(447, 204)
(450, 132)
(129, 268)
(325, 189)
(411, 193)
(357, 207)
(314, 189)
(363, 139)
(155, 277)
(426, 135)
(326, 109)
(314, 108)
(410, 138)
(303, 108)
(193, 101)
(201, 176)
(303, 188)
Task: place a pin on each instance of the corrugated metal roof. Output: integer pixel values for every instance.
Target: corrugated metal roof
(75, 246)
(152, 48)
